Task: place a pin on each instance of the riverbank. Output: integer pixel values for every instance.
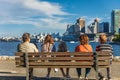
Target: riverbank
(8, 69)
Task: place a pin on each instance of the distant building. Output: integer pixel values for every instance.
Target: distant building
(81, 23)
(115, 21)
(73, 31)
(93, 27)
(77, 28)
(103, 27)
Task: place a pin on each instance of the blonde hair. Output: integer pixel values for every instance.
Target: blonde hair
(103, 38)
(83, 39)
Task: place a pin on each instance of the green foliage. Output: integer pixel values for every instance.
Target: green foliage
(116, 38)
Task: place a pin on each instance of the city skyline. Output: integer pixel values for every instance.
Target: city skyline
(45, 16)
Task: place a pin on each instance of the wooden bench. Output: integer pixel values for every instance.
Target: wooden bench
(63, 60)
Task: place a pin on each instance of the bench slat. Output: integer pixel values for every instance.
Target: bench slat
(61, 63)
(61, 53)
(61, 58)
(49, 66)
(104, 58)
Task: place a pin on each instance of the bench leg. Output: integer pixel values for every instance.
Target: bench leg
(27, 73)
(30, 73)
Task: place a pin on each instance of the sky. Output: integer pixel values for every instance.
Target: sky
(46, 16)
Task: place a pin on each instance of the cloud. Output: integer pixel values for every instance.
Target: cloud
(40, 14)
(46, 23)
(54, 22)
(30, 7)
(47, 8)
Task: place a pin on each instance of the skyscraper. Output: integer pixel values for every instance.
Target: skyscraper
(96, 24)
(93, 27)
(81, 23)
(103, 27)
(115, 21)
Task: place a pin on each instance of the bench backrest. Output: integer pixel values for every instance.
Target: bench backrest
(63, 59)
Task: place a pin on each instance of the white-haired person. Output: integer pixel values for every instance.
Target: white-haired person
(26, 46)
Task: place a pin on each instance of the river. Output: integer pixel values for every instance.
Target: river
(9, 48)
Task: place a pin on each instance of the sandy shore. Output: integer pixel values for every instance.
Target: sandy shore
(8, 71)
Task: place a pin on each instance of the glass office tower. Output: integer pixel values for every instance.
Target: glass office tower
(115, 21)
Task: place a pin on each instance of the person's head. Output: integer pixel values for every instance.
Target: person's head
(83, 39)
(26, 37)
(62, 47)
(102, 38)
(49, 39)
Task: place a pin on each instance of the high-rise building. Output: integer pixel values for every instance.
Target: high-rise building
(73, 31)
(81, 23)
(93, 27)
(115, 21)
(96, 25)
(103, 27)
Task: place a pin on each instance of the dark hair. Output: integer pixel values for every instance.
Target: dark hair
(25, 37)
(62, 47)
(83, 39)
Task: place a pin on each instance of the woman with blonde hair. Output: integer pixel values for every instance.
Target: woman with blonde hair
(84, 46)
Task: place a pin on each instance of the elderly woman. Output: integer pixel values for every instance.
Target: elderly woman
(26, 46)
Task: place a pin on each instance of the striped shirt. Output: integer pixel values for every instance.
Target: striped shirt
(104, 47)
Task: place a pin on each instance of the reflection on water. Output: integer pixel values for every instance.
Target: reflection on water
(9, 48)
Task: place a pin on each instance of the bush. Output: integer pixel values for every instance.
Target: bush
(116, 38)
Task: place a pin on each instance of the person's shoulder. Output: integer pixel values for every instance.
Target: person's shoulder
(77, 46)
(31, 44)
(106, 45)
(21, 44)
(88, 45)
(109, 45)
